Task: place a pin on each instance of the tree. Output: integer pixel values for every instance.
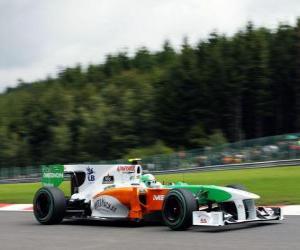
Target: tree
(297, 76)
(176, 96)
(282, 58)
(256, 98)
(143, 60)
(226, 87)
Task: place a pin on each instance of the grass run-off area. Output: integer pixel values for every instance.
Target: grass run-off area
(280, 185)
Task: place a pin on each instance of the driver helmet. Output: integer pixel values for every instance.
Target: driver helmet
(135, 161)
(148, 179)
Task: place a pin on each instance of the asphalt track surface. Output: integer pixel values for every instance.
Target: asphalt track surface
(19, 230)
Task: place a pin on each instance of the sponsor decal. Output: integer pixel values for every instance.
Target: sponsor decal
(108, 179)
(159, 197)
(103, 204)
(53, 175)
(90, 174)
(203, 218)
(109, 207)
(126, 169)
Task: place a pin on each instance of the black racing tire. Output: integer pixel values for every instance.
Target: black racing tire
(237, 186)
(177, 209)
(49, 205)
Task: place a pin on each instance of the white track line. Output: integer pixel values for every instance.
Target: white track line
(16, 207)
(291, 210)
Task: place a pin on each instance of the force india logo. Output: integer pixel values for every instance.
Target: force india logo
(103, 204)
(126, 169)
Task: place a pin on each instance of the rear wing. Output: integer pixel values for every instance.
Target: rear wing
(52, 175)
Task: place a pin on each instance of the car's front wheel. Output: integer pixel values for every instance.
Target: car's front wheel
(49, 205)
(178, 207)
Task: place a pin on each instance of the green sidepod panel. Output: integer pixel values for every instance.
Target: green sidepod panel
(205, 193)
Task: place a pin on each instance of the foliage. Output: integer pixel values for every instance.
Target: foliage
(216, 138)
(222, 89)
(157, 148)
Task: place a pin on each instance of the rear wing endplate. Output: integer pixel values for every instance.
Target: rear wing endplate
(52, 175)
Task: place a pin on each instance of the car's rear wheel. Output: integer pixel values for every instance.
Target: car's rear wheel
(178, 207)
(49, 205)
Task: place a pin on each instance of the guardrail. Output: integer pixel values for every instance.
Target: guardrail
(263, 164)
(20, 180)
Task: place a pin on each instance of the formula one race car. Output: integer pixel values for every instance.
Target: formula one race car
(115, 192)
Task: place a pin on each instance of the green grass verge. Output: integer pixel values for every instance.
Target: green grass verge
(279, 185)
(23, 192)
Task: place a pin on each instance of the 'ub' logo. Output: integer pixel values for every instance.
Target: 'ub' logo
(91, 174)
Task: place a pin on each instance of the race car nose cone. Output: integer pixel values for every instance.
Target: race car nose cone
(241, 194)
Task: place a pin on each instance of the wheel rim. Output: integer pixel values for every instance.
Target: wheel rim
(43, 204)
(173, 209)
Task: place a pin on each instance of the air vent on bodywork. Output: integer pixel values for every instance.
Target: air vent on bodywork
(77, 179)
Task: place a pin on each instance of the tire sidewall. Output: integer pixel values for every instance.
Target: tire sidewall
(51, 206)
(187, 204)
(57, 205)
(178, 196)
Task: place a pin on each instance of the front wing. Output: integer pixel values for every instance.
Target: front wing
(203, 218)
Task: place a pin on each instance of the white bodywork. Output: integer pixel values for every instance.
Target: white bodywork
(237, 196)
(100, 177)
(202, 218)
(245, 207)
